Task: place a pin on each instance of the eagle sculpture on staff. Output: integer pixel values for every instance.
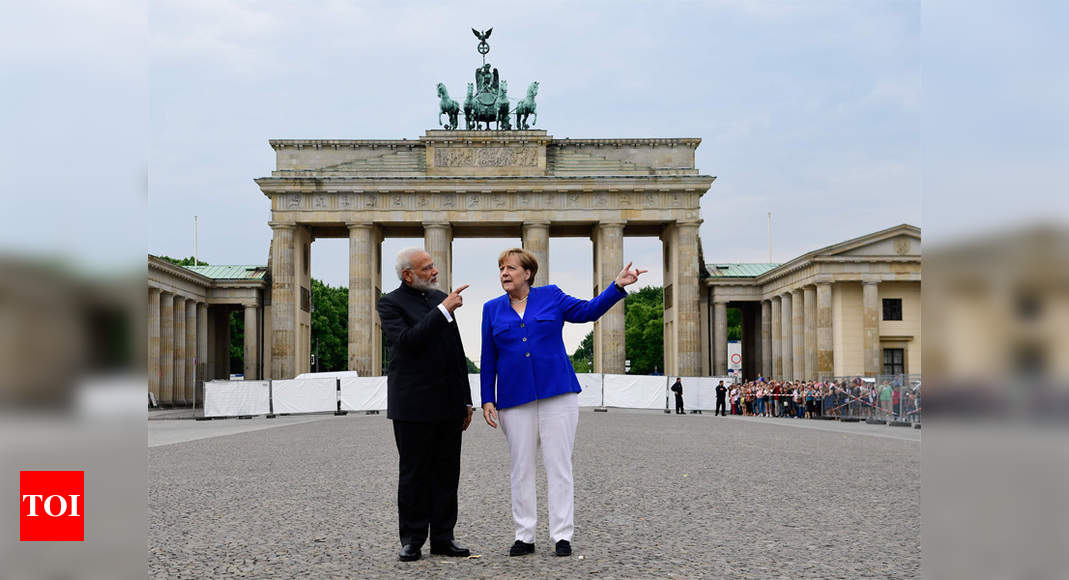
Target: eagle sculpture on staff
(484, 47)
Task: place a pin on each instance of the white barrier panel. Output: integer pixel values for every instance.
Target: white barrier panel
(592, 385)
(363, 394)
(234, 398)
(304, 395)
(635, 391)
(697, 393)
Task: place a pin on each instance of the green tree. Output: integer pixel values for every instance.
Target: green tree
(330, 326)
(644, 330)
(643, 333)
(237, 341)
(583, 357)
(184, 261)
(734, 324)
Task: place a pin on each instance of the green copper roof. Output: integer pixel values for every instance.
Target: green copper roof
(750, 270)
(230, 272)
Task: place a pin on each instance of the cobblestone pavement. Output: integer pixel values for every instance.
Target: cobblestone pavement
(656, 496)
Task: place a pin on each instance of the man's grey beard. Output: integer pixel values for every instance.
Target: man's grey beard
(423, 285)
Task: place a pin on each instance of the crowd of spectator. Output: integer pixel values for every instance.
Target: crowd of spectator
(893, 398)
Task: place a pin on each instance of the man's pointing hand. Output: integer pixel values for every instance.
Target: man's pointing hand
(454, 301)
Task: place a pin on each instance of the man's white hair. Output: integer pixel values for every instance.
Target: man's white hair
(404, 260)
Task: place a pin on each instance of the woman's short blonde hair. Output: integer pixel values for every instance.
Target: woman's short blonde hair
(527, 261)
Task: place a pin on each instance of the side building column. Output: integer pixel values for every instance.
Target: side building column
(202, 351)
(810, 367)
(609, 352)
(191, 350)
(536, 241)
(871, 325)
(179, 351)
(252, 344)
(798, 334)
(786, 318)
(825, 348)
(776, 305)
(154, 342)
(361, 295)
(283, 303)
(766, 339)
(166, 348)
(438, 240)
(720, 338)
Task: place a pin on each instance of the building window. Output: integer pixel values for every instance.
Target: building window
(894, 361)
(892, 309)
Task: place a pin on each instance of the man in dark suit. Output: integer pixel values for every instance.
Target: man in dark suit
(677, 388)
(721, 393)
(429, 401)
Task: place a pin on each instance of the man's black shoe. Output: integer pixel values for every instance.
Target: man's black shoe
(520, 548)
(450, 549)
(564, 548)
(409, 553)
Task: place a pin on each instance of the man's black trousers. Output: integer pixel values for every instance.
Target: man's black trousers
(428, 475)
(679, 403)
(720, 407)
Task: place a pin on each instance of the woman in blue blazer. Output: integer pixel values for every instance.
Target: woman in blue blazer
(535, 397)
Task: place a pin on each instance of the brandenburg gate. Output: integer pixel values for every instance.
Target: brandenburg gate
(455, 183)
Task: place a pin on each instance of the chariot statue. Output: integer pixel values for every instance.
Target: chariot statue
(487, 100)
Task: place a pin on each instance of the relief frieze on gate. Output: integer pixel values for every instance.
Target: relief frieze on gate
(486, 157)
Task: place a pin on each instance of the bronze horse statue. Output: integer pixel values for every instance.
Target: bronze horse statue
(526, 107)
(447, 106)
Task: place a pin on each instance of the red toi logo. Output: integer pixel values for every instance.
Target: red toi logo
(51, 504)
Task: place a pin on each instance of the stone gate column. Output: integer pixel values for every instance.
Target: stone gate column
(154, 342)
(810, 367)
(202, 350)
(871, 323)
(798, 333)
(766, 338)
(609, 352)
(777, 337)
(283, 303)
(438, 240)
(536, 241)
(361, 292)
(179, 397)
(786, 320)
(825, 348)
(720, 338)
(688, 301)
(252, 342)
(166, 348)
(191, 350)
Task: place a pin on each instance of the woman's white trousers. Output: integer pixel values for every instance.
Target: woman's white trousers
(552, 421)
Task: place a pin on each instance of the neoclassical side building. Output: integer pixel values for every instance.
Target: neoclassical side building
(189, 309)
(852, 308)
